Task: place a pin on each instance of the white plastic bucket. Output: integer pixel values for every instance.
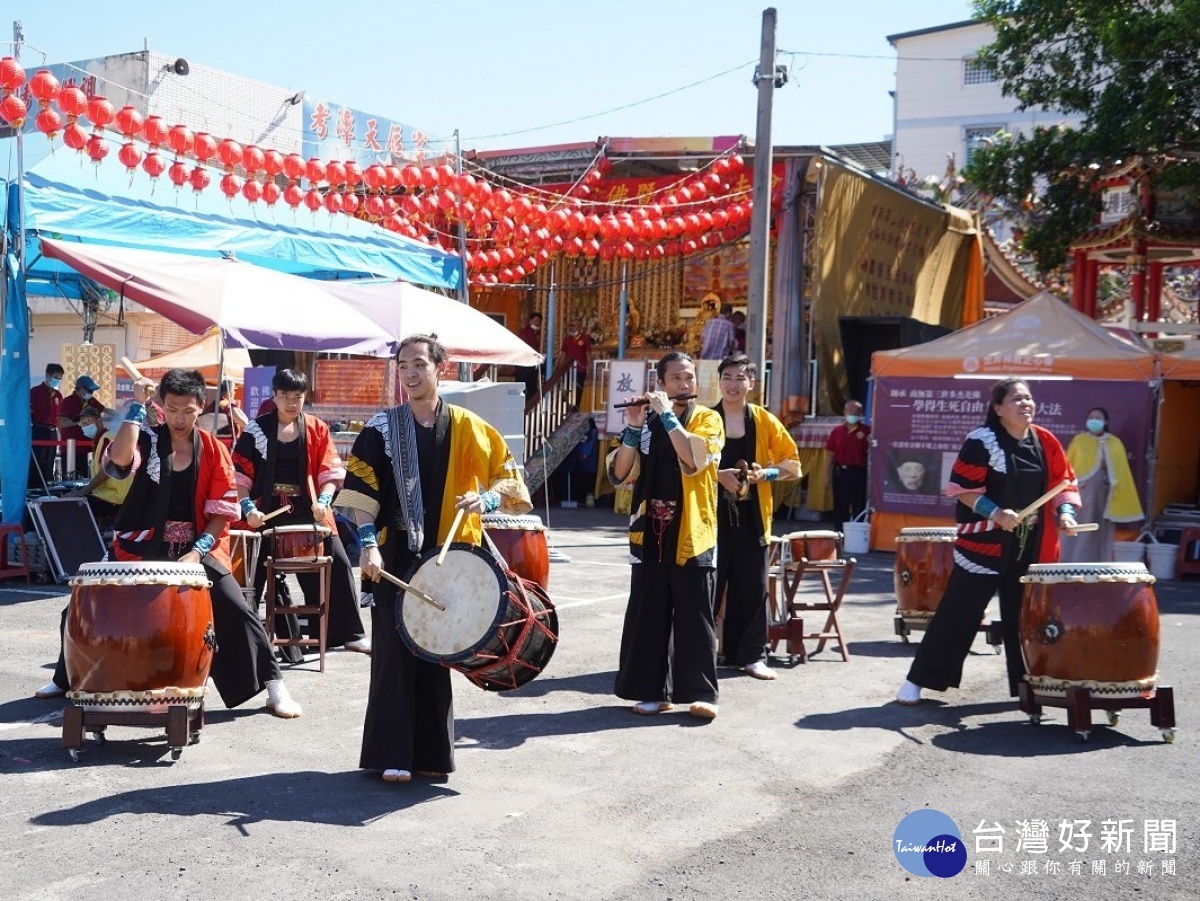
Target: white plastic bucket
(857, 537)
(1160, 560)
(1129, 552)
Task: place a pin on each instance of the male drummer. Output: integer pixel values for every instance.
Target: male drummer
(280, 458)
(669, 452)
(753, 436)
(180, 503)
(411, 469)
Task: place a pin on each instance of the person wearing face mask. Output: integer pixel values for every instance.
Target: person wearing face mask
(577, 350)
(44, 402)
(104, 495)
(846, 464)
(531, 334)
(1106, 487)
(69, 427)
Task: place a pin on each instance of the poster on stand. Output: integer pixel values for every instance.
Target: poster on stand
(256, 388)
(626, 379)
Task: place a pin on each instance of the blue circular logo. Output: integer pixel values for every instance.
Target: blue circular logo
(927, 843)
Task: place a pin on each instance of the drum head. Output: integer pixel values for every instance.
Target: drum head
(141, 572)
(927, 534)
(472, 587)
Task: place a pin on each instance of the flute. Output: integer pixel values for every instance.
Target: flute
(643, 401)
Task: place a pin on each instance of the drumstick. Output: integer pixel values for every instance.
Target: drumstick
(287, 509)
(1084, 527)
(127, 365)
(450, 537)
(415, 592)
(312, 490)
(1043, 499)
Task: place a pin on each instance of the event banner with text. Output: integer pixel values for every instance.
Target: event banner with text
(919, 424)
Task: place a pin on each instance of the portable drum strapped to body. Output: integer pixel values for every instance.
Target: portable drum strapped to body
(138, 646)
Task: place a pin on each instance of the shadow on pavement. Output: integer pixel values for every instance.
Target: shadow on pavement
(587, 683)
(897, 718)
(1020, 738)
(499, 733)
(894, 648)
(352, 798)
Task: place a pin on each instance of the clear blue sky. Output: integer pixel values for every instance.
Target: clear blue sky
(505, 66)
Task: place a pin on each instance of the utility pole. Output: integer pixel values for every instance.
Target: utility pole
(767, 78)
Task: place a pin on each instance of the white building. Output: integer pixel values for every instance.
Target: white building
(946, 103)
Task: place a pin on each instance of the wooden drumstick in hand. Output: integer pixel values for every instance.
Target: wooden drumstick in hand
(128, 366)
(274, 513)
(1032, 508)
(450, 537)
(415, 592)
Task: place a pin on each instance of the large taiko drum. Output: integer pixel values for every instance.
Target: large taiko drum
(1090, 625)
(244, 550)
(498, 629)
(139, 636)
(299, 542)
(924, 559)
(816, 545)
(521, 541)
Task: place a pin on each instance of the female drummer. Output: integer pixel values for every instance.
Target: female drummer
(1004, 466)
(281, 459)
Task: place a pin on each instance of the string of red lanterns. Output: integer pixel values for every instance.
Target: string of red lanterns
(510, 231)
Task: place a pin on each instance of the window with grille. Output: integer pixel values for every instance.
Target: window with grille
(977, 71)
(974, 138)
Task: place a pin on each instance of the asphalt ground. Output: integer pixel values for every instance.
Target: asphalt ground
(794, 791)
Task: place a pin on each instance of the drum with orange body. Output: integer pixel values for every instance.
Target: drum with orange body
(299, 542)
(1090, 625)
(521, 541)
(816, 546)
(924, 559)
(139, 636)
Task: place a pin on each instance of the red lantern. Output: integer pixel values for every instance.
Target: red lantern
(293, 166)
(271, 193)
(49, 123)
(445, 174)
(13, 110)
(604, 165)
(178, 173)
(251, 190)
(130, 156)
(205, 146)
(312, 199)
(293, 196)
(354, 175)
(736, 163)
(12, 75)
(391, 177)
(129, 122)
(199, 179)
(44, 87)
(374, 176)
(154, 130)
(231, 185)
(333, 202)
(180, 139)
(97, 147)
(375, 206)
(314, 171)
(350, 203)
(410, 177)
(574, 246)
(252, 160)
(607, 252)
(229, 152)
(72, 101)
(429, 178)
(154, 165)
(335, 173)
(100, 112)
(272, 162)
(720, 219)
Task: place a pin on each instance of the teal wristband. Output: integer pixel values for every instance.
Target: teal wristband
(491, 501)
(136, 413)
(985, 506)
(324, 498)
(367, 537)
(771, 473)
(631, 437)
(670, 421)
(248, 507)
(204, 544)
(1066, 510)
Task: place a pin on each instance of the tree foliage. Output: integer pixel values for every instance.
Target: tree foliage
(1128, 69)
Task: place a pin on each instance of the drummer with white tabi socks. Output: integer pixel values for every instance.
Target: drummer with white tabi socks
(411, 469)
(181, 500)
(281, 458)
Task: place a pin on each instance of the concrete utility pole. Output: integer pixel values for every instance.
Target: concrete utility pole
(767, 77)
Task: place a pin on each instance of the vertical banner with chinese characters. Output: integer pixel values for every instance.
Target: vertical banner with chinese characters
(626, 378)
(883, 253)
(256, 388)
(333, 132)
(920, 424)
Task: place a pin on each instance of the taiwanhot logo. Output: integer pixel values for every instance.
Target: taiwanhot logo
(927, 843)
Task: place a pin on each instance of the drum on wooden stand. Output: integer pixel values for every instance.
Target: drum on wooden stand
(521, 541)
(498, 629)
(817, 545)
(1090, 639)
(139, 636)
(924, 559)
(298, 542)
(245, 548)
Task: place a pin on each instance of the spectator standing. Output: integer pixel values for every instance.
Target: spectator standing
(719, 335)
(531, 334)
(72, 405)
(44, 402)
(846, 464)
(577, 348)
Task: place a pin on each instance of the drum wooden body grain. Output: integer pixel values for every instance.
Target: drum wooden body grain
(817, 545)
(924, 559)
(521, 541)
(138, 632)
(296, 542)
(1092, 625)
(498, 629)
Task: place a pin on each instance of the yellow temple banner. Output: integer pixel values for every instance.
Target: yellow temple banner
(881, 252)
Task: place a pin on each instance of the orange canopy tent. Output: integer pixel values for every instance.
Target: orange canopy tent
(1178, 471)
(1040, 338)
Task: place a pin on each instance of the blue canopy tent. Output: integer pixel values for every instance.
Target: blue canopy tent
(66, 196)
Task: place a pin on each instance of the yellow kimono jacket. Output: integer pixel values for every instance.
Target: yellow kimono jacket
(773, 446)
(1085, 455)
